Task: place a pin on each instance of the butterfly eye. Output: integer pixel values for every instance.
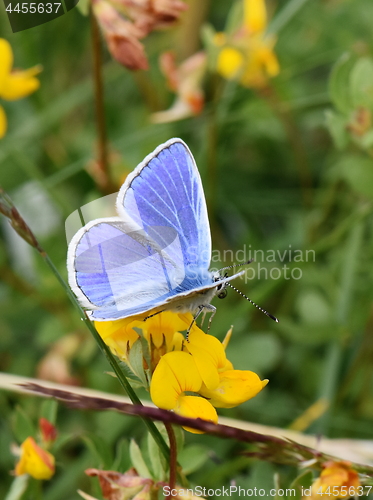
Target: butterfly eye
(222, 294)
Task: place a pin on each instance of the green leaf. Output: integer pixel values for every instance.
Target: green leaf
(135, 382)
(287, 13)
(361, 83)
(138, 460)
(18, 487)
(122, 460)
(22, 425)
(100, 449)
(136, 361)
(207, 34)
(158, 462)
(48, 410)
(339, 83)
(304, 480)
(357, 171)
(145, 346)
(366, 140)
(208, 38)
(336, 124)
(192, 458)
(234, 19)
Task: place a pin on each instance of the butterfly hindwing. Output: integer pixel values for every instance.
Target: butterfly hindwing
(115, 273)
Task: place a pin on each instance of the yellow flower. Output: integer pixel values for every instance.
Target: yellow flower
(14, 84)
(176, 374)
(335, 481)
(190, 377)
(223, 386)
(202, 369)
(248, 55)
(35, 461)
(161, 331)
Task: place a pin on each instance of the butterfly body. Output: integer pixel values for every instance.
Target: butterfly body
(156, 254)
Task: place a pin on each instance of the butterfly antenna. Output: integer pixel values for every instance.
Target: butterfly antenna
(237, 265)
(253, 303)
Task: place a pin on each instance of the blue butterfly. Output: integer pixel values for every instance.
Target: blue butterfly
(155, 255)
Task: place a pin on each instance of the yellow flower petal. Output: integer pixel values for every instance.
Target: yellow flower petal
(118, 335)
(230, 63)
(227, 338)
(35, 461)
(162, 332)
(3, 122)
(209, 356)
(6, 61)
(262, 63)
(195, 407)
(178, 341)
(108, 328)
(163, 326)
(228, 366)
(175, 373)
(255, 16)
(235, 387)
(271, 64)
(20, 84)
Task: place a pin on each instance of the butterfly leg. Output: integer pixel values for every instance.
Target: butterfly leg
(208, 308)
(212, 309)
(200, 309)
(154, 314)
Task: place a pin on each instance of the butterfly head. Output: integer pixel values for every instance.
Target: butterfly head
(221, 289)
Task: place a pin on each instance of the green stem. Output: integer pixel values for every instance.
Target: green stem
(285, 15)
(36, 489)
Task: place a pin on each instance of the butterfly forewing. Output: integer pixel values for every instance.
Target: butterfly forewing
(167, 191)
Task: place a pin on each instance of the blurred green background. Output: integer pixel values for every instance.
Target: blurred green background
(288, 167)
